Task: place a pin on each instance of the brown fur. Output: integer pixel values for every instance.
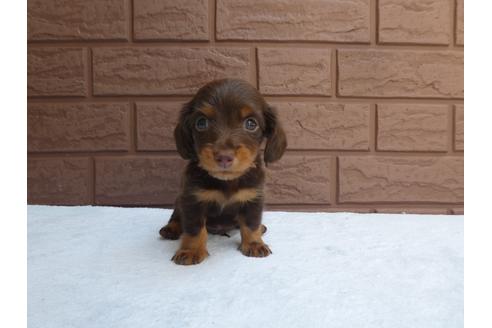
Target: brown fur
(224, 178)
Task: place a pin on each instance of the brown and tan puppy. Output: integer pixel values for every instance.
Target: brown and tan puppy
(220, 132)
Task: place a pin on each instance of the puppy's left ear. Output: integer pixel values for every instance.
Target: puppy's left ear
(276, 139)
(183, 136)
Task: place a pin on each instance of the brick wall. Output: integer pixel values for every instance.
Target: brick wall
(370, 93)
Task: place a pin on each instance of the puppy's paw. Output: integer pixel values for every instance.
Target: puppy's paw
(255, 249)
(170, 231)
(189, 257)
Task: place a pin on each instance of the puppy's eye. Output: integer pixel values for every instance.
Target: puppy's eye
(201, 124)
(250, 124)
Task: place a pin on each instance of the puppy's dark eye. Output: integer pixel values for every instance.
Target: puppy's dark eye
(201, 124)
(250, 124)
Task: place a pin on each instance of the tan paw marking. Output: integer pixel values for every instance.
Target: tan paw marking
(189, 257)
(255, 249)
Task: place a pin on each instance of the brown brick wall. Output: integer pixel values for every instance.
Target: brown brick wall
(370, 93)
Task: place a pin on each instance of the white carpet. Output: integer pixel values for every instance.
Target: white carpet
(107, 267)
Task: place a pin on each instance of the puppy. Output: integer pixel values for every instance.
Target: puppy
(220, 132)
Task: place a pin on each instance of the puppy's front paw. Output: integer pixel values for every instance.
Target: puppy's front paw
(188, 256)
(170, 231)
(255, 249)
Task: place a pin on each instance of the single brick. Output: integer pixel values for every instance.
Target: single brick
(78, 127)
(400, 179)
(138, 181)
(56, 72)
(155, 125)
(299, 180)
(415, 21)
(171, 20)
(301, 20)
(313, 125)
(389, 73)
(58, 181)
(412, 127)
(286, 71)
(77, 19)
(459, 128)
(460, 34)
(165, 71)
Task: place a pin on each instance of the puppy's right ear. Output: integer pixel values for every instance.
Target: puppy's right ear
(276, 139)
(183, 134)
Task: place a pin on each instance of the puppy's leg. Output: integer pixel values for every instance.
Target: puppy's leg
(193, 249)
(172, 230)
(252, 230)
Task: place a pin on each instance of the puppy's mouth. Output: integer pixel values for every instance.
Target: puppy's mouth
(227, 164)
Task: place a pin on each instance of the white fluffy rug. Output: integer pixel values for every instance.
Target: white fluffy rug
(107, 267)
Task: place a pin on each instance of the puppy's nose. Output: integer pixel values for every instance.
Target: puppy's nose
(224, 159)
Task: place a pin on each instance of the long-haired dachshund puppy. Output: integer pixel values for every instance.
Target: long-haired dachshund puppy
(220, 131)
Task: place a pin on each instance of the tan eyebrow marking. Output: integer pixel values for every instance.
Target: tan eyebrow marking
(245, 112)
(208, 111)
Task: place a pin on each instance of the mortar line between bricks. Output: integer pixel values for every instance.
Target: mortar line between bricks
(212, 19)
(291, 152)
(133, 129)
(452, 39)
(374, 208)
(291, 98)
(130, 21)
(398, 203)
(369, 207)
(334, 180)
(453, 135)
(377, 22)
(334, 73)
(168, 43)
(450, 128)
(386, 153)
(105, 154)
(399, 98)
(373, 130)
(257, 54)
(373, 23)
(337, 75)
(254, 74)
(89, 78)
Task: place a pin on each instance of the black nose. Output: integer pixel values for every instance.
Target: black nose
(224, 160)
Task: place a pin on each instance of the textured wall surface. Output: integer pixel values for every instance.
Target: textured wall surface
(370, 93)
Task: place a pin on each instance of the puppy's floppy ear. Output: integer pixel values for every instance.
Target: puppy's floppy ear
(276, 140)
(183, 134)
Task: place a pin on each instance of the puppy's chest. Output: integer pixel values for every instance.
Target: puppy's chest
(227, 196)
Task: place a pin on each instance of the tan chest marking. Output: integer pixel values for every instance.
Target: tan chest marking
(215, 196)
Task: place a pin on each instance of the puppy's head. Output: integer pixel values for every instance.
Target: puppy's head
(223, 127)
